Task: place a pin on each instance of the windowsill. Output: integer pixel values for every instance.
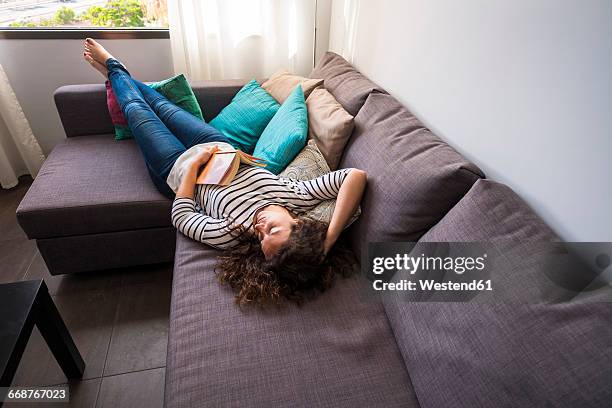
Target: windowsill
(80, 33)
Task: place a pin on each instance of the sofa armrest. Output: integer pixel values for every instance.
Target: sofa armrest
(83, 111)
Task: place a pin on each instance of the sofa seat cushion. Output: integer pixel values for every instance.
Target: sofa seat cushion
(349, 86)
(503, 354)
(92, 184)
(414, 178)
(336, 350)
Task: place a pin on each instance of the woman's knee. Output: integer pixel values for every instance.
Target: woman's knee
(134, 104)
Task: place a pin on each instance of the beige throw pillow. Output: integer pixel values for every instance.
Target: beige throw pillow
(282, 83)
(329, 125)
(309, 164)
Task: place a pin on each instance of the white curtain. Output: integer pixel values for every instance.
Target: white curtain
(343, 30)
(230, 39)
(19, 151)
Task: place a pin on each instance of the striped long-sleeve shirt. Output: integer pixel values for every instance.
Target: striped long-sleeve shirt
(208, 218)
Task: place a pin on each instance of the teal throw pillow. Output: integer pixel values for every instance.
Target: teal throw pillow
(246, 117)
(286, 134)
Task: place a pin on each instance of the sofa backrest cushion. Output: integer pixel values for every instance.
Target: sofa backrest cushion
(414, 178)
(346, 84)
(504, 353)
(491, 211)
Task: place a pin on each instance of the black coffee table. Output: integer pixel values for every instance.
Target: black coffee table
(23, 305)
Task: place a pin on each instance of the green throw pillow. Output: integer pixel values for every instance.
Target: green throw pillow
(246, 117)
(286, 133)
(176, 89)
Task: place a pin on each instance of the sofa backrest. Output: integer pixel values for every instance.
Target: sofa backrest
(414, 177)
(83, 110)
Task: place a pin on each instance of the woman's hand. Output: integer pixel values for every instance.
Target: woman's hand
(204, 156)
(327, 244)
(187, 187)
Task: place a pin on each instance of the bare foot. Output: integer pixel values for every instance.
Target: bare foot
(100, 67)
(97, 51)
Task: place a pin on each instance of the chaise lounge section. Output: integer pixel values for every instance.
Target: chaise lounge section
(93, 205)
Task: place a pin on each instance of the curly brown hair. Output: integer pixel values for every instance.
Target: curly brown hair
(298, 271)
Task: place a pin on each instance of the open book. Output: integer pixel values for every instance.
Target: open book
(223, 166)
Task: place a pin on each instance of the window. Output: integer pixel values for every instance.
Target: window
(83, 14)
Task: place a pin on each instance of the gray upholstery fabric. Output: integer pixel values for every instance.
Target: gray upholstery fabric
(502, 354)
(334, 351)
(344, 82)
(414, 178)
(83, 110)
(92, 252)
(490, 211)
(92, 184)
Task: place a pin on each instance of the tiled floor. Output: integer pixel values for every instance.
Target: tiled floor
(118, 319)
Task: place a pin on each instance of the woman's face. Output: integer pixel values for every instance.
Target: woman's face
(273, 225)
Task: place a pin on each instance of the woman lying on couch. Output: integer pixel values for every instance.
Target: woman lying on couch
(270, 248)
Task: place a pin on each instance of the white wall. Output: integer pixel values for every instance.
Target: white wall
(522, 87)
(37, 67)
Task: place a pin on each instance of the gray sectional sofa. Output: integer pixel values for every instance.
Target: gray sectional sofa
(93, 206)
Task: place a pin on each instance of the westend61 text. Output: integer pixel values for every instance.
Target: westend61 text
(431, 285)
(423, 263)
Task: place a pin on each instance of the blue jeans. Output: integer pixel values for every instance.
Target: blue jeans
(162, 130)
